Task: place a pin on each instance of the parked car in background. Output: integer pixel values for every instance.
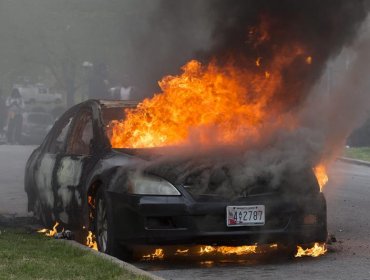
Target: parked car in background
(38, 93)
(35, 127)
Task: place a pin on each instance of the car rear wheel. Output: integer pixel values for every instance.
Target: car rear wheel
(104, 229)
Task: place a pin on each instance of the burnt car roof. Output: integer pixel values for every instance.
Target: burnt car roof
(118, 103)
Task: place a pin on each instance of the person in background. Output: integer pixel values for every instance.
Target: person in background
(15, 106)
(121, 92)
(98, 82)
(125, 93)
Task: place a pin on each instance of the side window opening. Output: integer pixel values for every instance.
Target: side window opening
(82, 136)
(110, 116)
(57, 145)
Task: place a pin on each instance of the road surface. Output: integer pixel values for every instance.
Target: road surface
(13, 199)
(348, 197)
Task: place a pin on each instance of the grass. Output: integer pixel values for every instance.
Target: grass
(32, 256)
(358, 153)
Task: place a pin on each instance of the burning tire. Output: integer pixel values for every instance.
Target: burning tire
(104, 228)
(288, 250)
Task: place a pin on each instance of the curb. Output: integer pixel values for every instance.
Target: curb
(129, 267)
(354, 161)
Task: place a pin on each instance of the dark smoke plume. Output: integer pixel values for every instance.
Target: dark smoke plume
(322, 27)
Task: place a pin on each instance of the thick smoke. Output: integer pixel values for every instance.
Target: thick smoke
(333, 113)
(325, 29)
(322, 27)
(165, 36)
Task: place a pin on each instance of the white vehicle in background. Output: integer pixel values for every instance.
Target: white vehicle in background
(38, 93)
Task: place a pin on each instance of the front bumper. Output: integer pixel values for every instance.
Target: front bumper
(161, 220)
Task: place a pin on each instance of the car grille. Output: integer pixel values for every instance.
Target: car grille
(209, 195)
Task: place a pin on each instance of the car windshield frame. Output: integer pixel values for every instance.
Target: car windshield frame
(114, 111)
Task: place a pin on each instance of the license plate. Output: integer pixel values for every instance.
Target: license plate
(252, 215)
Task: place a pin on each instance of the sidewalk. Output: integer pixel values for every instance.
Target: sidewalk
(354, 161)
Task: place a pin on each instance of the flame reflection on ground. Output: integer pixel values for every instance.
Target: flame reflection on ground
(236, 253)
(218, 253)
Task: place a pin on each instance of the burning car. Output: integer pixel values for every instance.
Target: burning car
(127, 197)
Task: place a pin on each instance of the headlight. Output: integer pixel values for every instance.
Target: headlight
(150, 185)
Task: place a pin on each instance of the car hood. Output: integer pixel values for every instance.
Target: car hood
(213, 176)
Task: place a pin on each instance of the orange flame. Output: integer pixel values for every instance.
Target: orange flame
(181, 252)
(50, 232)
(91, 201)
(211, 104)
(206, 105)
(157, 255)
(317, 250)
(309, 59)
(207, 250)
(321, 175)
(258, 61)
(225, 250)
(91, 241)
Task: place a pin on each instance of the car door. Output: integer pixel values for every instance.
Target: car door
(73, 167)
(46, 161)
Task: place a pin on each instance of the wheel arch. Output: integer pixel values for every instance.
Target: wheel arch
(92, 190)
(107, 180)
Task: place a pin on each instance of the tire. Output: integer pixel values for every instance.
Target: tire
(288, 250)
(104, 228)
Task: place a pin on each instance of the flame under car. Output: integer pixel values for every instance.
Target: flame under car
(126, 197)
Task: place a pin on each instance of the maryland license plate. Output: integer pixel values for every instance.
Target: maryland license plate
(252, 215)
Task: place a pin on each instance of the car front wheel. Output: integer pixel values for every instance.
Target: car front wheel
(104, 229)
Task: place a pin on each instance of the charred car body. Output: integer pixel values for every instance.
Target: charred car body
(77, 178)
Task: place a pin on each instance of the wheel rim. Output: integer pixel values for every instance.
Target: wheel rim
(102, 225)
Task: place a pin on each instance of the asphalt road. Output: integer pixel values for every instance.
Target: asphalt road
(13, 199)
(348, 196)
